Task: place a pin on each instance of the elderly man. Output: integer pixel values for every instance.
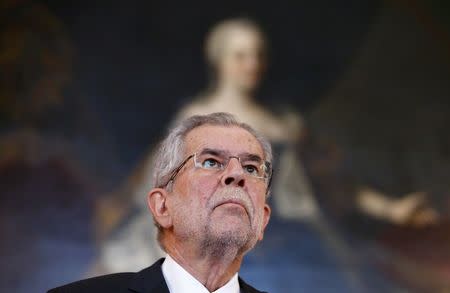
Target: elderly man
(211, 180)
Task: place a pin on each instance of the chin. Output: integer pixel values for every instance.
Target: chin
(235, 226)
(232, 236)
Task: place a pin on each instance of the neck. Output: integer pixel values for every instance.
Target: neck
(209, 268)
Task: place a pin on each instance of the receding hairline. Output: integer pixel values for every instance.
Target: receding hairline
(208, 124)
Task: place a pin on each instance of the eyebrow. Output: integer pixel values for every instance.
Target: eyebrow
(245, 156)
(214, 152)
(250, 157)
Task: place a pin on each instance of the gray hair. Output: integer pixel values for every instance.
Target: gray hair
(170, 153)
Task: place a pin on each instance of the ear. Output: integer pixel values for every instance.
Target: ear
(266, 218)
(157, 203)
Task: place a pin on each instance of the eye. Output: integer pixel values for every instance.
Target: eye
(211, 164)
(251, 169)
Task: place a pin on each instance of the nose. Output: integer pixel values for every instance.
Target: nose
(233, 173)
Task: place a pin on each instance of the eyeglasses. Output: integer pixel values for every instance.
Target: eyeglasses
(215, 161)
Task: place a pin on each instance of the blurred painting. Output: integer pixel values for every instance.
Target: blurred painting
(353, 96)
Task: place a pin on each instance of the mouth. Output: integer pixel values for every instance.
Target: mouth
(233, 201)
(233, 204)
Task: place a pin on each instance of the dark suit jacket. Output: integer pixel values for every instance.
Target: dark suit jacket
(149, 280)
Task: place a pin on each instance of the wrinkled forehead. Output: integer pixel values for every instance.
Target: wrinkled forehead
(231, 139)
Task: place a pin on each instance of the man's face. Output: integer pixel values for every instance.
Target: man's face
(226, 207)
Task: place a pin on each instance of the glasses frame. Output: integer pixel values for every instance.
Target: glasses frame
(177, 170)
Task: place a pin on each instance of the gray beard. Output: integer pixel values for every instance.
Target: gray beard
(226, 243)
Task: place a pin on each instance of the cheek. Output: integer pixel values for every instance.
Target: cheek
(258, 195)
(259, 202)
(202, 191)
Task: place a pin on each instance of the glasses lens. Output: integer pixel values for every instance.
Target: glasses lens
(218, 162)
(209, 162)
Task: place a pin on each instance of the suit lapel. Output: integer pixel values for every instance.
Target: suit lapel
(150, 280)
(246, 288)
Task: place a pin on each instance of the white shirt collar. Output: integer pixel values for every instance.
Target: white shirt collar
(179, 280)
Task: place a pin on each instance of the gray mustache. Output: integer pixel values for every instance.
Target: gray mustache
(235, 195)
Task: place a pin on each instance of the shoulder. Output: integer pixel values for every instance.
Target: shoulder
(113, 282)
(150, 279)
